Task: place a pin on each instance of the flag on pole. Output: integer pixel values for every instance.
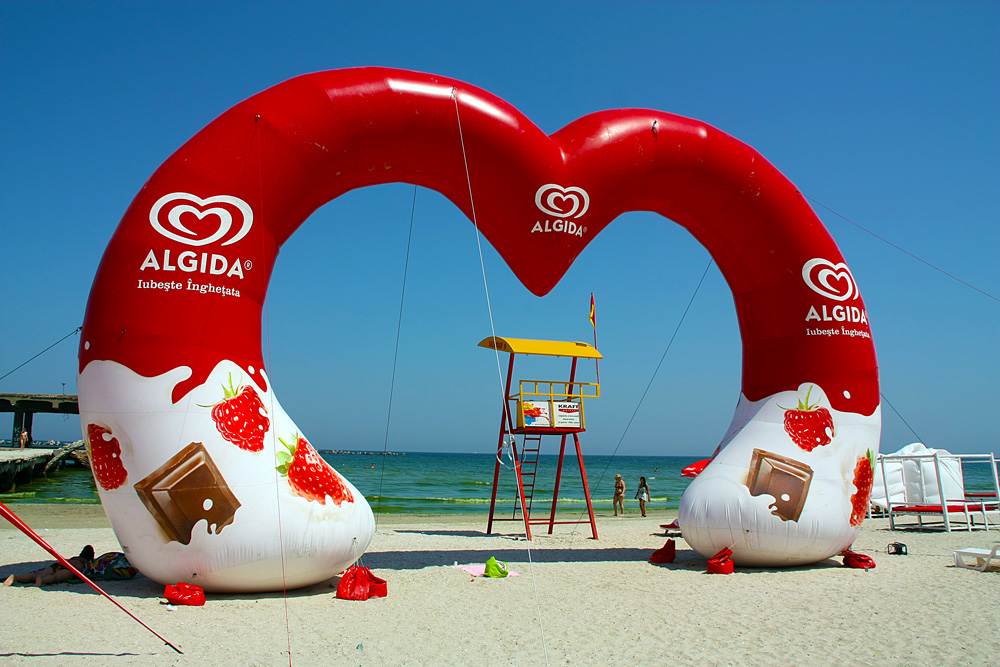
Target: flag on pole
(593, 323)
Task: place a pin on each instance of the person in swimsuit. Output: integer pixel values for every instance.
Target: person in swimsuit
(619, 499)
(112, 566)
(642, 494)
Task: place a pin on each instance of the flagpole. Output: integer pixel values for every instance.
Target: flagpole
(593, 323)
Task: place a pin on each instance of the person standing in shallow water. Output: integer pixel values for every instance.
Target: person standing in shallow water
(642, 494)
(619, 499)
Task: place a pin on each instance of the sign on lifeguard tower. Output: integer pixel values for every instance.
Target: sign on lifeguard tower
(541, 408)
(545, 414)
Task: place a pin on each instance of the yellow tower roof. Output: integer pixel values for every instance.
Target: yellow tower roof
(549, 348)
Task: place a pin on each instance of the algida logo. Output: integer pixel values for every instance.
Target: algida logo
(561, 203)
(193, 221)
(833, 282)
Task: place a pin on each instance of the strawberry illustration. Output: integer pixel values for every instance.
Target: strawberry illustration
(863, 476)
(809, 426)
(309, 475)
(241, 417)
(105, 457)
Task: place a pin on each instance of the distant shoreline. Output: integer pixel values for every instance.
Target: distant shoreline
(357, 453)
(44, 516)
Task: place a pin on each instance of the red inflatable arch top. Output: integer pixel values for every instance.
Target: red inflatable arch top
(175, 310)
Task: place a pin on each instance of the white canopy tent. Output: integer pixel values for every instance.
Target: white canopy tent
(920, 481)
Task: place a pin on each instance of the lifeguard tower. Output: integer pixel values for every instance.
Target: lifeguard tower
(539, 409)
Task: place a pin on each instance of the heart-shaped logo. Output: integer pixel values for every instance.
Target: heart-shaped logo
(170, 212)
(561, 202)
(834, 281)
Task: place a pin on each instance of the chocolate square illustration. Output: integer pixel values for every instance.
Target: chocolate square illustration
(784, 478)
(185, 490)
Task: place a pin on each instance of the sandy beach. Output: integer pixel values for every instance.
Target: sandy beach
(576, 602)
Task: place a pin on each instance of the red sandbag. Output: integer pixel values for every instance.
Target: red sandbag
(722, 562)
(854, 559)
(664, 554)
(358, 583)
(183, 593)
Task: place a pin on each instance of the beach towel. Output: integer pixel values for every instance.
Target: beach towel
(480, 570)
(112, 566)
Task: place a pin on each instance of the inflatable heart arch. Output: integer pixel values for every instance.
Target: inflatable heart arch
(207, 479)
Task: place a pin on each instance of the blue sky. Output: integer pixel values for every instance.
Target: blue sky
(884, 112)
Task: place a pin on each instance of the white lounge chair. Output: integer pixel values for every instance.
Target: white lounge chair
(983, 558)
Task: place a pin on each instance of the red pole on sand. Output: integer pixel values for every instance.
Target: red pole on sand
(506, 426)
(562, 443)
(10, 516)
(586, 487)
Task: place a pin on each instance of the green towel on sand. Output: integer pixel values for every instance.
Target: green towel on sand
(495, 568)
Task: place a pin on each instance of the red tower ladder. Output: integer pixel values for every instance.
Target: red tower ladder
(531, 445)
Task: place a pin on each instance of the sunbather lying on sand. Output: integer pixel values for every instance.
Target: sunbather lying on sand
(110, 566)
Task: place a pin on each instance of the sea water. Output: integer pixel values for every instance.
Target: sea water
(448, 483)
(463, 483)
(445, 483)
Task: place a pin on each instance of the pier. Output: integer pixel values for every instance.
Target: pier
(25, 406)
(20, 466)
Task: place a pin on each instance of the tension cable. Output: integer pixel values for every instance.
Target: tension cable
(493, 333)
(395, 356)
(901, 249)
(655, 371)
(74, 331)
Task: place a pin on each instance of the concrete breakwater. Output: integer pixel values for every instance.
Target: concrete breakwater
(20, 466)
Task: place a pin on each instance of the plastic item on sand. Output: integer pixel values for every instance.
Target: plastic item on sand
(184, 594)
(495, 568)
(854, 559)
(896, 548)
(358, 583)
(722, 562)
(664, 554)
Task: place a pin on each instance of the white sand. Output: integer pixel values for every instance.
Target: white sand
(600, 603)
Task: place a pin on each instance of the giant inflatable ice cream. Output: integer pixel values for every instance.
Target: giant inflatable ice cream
(206, 478)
